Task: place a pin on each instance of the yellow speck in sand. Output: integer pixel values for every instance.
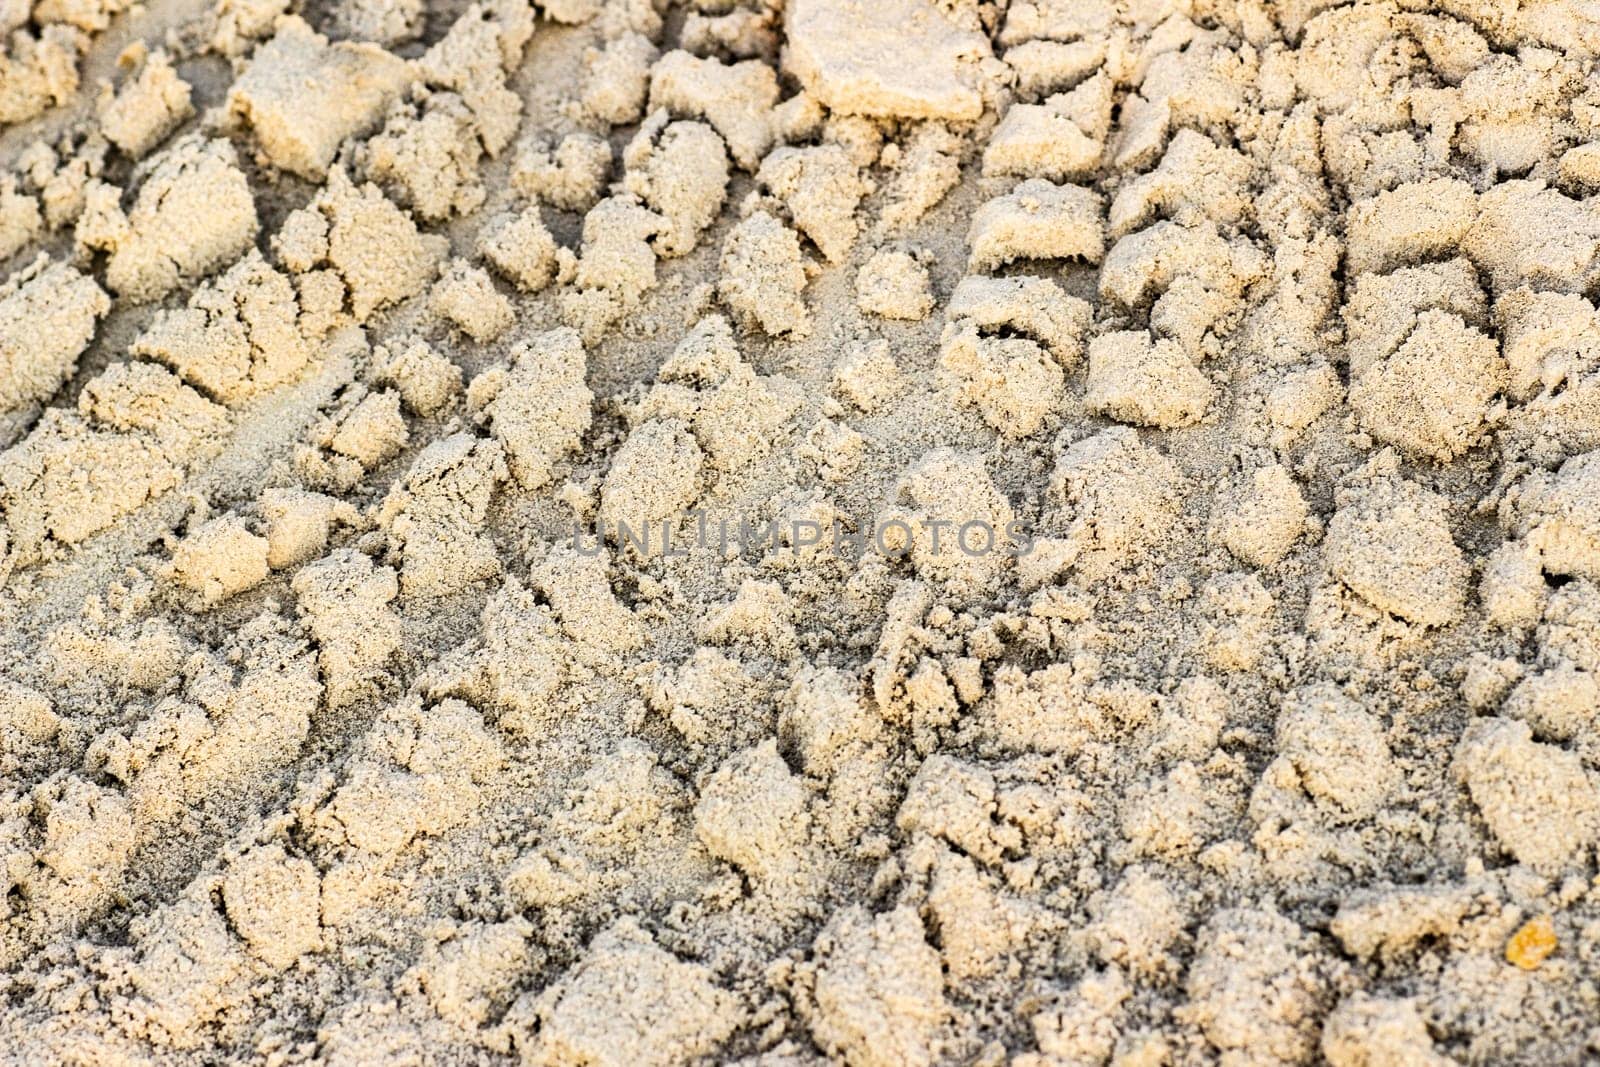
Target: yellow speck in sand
(1532, 944)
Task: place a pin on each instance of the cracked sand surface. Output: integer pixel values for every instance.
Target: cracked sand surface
(1098, 554)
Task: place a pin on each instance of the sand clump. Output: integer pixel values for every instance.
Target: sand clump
(301, 96)
(57, 304)
(608, 532)
(193, 213)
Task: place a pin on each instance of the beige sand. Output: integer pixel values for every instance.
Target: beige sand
(1099, 554)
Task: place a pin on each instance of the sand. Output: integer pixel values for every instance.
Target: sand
(900, 533)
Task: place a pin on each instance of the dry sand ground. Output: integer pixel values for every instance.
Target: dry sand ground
(1258, 337)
